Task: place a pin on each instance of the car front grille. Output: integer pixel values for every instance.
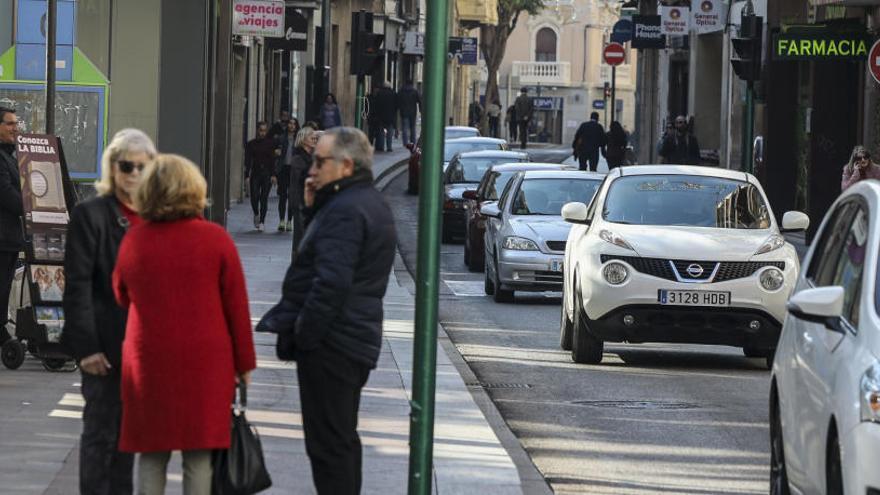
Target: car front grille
(556, 245)
(543, 277)
(662, 268)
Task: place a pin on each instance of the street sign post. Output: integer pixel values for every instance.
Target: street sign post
(614, 55)
(874, 61)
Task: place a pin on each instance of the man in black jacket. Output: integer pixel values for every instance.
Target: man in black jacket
(259, 171)
(589, 140)
(11, 211)
(386, 108)
(680, 147)
(333, 292)
(408, 103)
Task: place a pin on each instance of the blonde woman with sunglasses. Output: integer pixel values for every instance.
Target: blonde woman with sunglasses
(860, 167)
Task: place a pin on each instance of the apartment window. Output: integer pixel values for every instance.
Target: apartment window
(545, 45)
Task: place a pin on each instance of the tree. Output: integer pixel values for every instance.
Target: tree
(493, 42)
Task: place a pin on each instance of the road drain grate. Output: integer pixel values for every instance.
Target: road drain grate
(499, 385)
(636, 404)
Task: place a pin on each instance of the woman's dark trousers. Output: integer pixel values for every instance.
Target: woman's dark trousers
(103, 470)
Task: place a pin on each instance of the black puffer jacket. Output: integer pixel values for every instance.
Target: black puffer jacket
(11, 208)
(333, 290)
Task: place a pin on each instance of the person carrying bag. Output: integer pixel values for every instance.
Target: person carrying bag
(241, 469)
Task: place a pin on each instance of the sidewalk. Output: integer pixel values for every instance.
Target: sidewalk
(468, 457)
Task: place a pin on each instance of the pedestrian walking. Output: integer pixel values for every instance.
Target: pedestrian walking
(94, 325)
(279, 128)
(512, 124)
(493, 110)
(409, 103)
(615, 145)
(374, 121)
(589, 141)
(333, 291)
(680, 147)
(859, 168)
(259, 172)
(191, 340)
(386, 108)
(11, 211)
(299, 170)
(330, 116)
(287, 144)
(524, 108)
(475, 114)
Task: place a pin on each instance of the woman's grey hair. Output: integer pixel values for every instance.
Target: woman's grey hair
(302, 135)
(352, 143)
(858, 150)
(124, 142)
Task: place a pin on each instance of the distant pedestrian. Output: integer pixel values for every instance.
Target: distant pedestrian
(386, 108)
(280, 127)
(259, 172)
(94, 325)
(330, 116)
(512, 124)
(615, 147)
(475, 114)
(859, 168)
(589, 141)
(11, 211)
(374, 120)
(334, 291)
(299, 170)
(493, 110)
(524, 108)
(191, 340)
(680, 147)
(286, 143)
(409, 104)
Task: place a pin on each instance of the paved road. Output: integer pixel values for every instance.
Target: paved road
(650, 419)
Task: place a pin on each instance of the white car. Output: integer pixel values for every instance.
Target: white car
(668, 253)
(825, 389)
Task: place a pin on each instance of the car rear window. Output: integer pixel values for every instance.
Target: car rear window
(548, 196)
(469, 170)
(460, 133)
(451, 149)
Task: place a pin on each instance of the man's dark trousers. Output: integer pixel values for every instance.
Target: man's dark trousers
(261, 184)
(99, 455)
(589, 156)
(8, 260)
(330, 392)
(523, 133)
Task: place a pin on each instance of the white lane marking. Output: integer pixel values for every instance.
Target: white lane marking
(465, 288)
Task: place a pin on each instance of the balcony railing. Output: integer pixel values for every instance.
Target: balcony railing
(543, 73)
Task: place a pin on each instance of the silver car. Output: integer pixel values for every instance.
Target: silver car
(525, 234)
(452, 147)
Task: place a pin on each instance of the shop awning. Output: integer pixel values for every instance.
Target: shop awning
(478, 11)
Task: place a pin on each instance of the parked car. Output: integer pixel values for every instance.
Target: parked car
(525, 234)
(489, 189)
(415, 157)
(464, 172)
(825, 382)
(669, 253)
(452, 147)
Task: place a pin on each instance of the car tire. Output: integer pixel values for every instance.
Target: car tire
(488, 286)
(778, 474)
(473, 263)
(447, 235)
(833, 470)
(565, 328)
(501, 295)
(585, 348)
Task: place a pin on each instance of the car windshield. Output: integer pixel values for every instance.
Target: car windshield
(548, 196)
(451, 149)
(686, 200)
(459, 133)
(471, 170)
(496, 183)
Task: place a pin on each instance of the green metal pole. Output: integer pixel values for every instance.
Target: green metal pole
(749, 129)
(359, 105)
(421, 431)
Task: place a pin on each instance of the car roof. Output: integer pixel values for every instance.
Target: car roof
(562, 174)
(492, 154)
(460, 128)
(682, 170)
(476, 139)
(516, 167)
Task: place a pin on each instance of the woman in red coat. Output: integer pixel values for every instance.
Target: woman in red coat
(188, 337)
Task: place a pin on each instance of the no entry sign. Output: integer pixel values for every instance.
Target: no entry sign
(614, 54)
(874, 61)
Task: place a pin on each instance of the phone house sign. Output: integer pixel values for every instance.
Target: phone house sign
(258, 18)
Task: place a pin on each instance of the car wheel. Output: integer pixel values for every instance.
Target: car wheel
(501, 295)
(778, 475)
(585, 348)
(488, 286)
(565, 328)
(833, 473)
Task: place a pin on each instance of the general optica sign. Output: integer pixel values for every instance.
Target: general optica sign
(258, 18)
(819, 46)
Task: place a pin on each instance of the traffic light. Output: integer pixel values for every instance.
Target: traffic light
(747, 61)
(366, 46)
(607, 90)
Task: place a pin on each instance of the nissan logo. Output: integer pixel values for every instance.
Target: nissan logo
(695, 270)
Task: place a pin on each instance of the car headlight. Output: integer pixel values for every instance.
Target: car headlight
(772, 279)
(612, 238)
(869, 393)
(519, 244)
(615, 273)
(773, 243)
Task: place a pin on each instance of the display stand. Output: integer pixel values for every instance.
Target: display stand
(48, 196)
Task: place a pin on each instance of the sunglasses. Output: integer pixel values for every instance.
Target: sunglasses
(127, 167)
(862, 157)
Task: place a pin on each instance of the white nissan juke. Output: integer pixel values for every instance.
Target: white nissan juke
(681, 254)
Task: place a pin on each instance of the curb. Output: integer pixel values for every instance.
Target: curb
(390, 174)
(532, 482)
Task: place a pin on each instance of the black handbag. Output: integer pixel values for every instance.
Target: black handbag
(240, 470)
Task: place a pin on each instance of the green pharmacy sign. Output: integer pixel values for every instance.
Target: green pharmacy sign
(820, 46)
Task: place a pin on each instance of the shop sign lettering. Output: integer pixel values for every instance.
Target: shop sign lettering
(258, 18)
(807, 47)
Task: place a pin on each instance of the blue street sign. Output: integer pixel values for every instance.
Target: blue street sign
(622, 31)
(598, 104)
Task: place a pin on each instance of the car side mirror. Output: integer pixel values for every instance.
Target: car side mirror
(575, 213)
(490, 209)
(470, 194)
(823, 305)
(795, 221)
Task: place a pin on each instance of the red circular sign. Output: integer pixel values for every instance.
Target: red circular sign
(874, 61)
(614, 53)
